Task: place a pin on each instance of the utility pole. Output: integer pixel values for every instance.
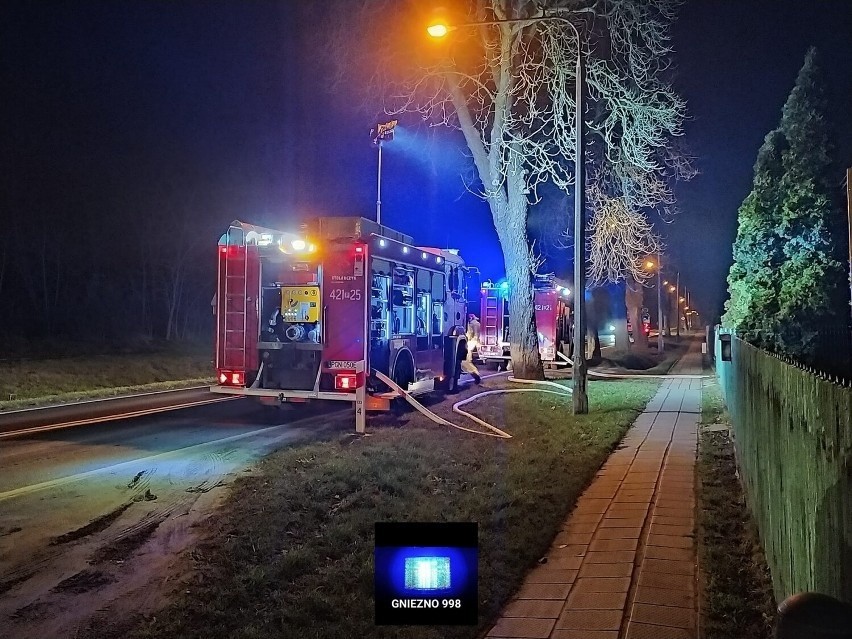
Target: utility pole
(660, 345)
(849, 221)
(677, 304)
(579, 370)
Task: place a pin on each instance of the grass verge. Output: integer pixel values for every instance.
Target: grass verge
(67, 379)
(291, 553)
(737, 599)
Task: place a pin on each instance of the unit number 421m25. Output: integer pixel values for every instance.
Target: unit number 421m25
(343, 294)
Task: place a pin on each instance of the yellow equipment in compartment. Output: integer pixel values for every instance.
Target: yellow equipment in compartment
(300, 303)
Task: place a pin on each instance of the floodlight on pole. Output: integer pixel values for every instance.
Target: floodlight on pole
(580, 397)
(382, 133)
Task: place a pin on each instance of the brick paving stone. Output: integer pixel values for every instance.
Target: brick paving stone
(563, 563)
(673, 521)
(627, 532)
(613, 544)
(643, 495)
(668, 567)
(677, 554)
(622, 522)
(669, 503)
(537, 608)
(670, 541)
(564, 633)
(647, 631)
(590, 620)
(663, 615)
(610, 557)
(673, 512)
(568, 550)
(665, 597)
(596, 601)
(669, 486)
(626, 507)
(662, 580)
(605, 570)
(543, 591)
(602, 584)
(544, 574)
(522, 627)
(587, 504)
(643, 476)
(573, 538)
(678, 531)
(642, 499)
(585, 518)
(580, 527)
(629, 484)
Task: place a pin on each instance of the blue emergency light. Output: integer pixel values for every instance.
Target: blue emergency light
(427, 573)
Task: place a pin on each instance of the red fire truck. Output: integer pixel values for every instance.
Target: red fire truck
(552, 318)
(314, 315)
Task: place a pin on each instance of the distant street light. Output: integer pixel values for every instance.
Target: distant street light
(382, 133)
(579, 374)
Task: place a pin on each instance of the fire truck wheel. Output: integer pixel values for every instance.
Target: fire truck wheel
(453, 380)
(403, 374)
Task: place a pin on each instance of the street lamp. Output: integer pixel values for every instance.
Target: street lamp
(382, 133)
(580, 371)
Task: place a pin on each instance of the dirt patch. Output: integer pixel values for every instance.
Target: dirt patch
(83, 582)
(10, 531)
(6, 586)
(93, 527)
(122, 548)
(736, 599)
(32, 612)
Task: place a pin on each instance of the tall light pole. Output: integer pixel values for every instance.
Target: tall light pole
(579, 366)
(382, 133)
(660, 345)
(677, 304)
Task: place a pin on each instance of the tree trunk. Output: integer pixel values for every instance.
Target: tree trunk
(633, 297)
(523, 336)
(622, 339)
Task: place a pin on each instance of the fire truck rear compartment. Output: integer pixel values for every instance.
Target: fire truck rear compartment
(290, 366)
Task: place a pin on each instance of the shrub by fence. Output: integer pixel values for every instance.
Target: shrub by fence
(793, 439)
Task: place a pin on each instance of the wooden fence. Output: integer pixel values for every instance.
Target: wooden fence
(792, 432)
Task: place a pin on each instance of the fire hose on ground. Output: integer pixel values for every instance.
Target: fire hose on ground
(494, 431)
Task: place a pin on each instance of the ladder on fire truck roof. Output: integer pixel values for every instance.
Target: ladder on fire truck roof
(235, 302)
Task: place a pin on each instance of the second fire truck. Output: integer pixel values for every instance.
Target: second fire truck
(552, 318)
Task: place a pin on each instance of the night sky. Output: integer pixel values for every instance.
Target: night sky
(232, 107)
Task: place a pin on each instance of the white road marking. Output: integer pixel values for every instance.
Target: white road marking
(54, 483)
(110, 418)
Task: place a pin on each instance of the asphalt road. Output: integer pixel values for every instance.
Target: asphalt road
(74, 503)
(30, 420)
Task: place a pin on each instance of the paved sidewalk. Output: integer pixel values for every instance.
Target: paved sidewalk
(624, 563)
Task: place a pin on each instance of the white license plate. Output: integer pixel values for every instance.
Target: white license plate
(342, 364)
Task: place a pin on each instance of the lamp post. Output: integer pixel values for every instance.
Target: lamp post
(660, 344)
(382, 133)
(579, 366)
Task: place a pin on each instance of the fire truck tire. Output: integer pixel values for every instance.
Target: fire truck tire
(453, 380)
(403, 374)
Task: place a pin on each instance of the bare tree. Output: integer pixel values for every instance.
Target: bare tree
(509, 88)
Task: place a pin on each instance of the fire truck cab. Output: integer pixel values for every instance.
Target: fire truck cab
(552, 318)
(315, 314)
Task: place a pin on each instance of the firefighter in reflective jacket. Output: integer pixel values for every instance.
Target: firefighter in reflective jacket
(473, 329)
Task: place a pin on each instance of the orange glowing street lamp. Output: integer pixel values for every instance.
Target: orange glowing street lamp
(438, 30)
